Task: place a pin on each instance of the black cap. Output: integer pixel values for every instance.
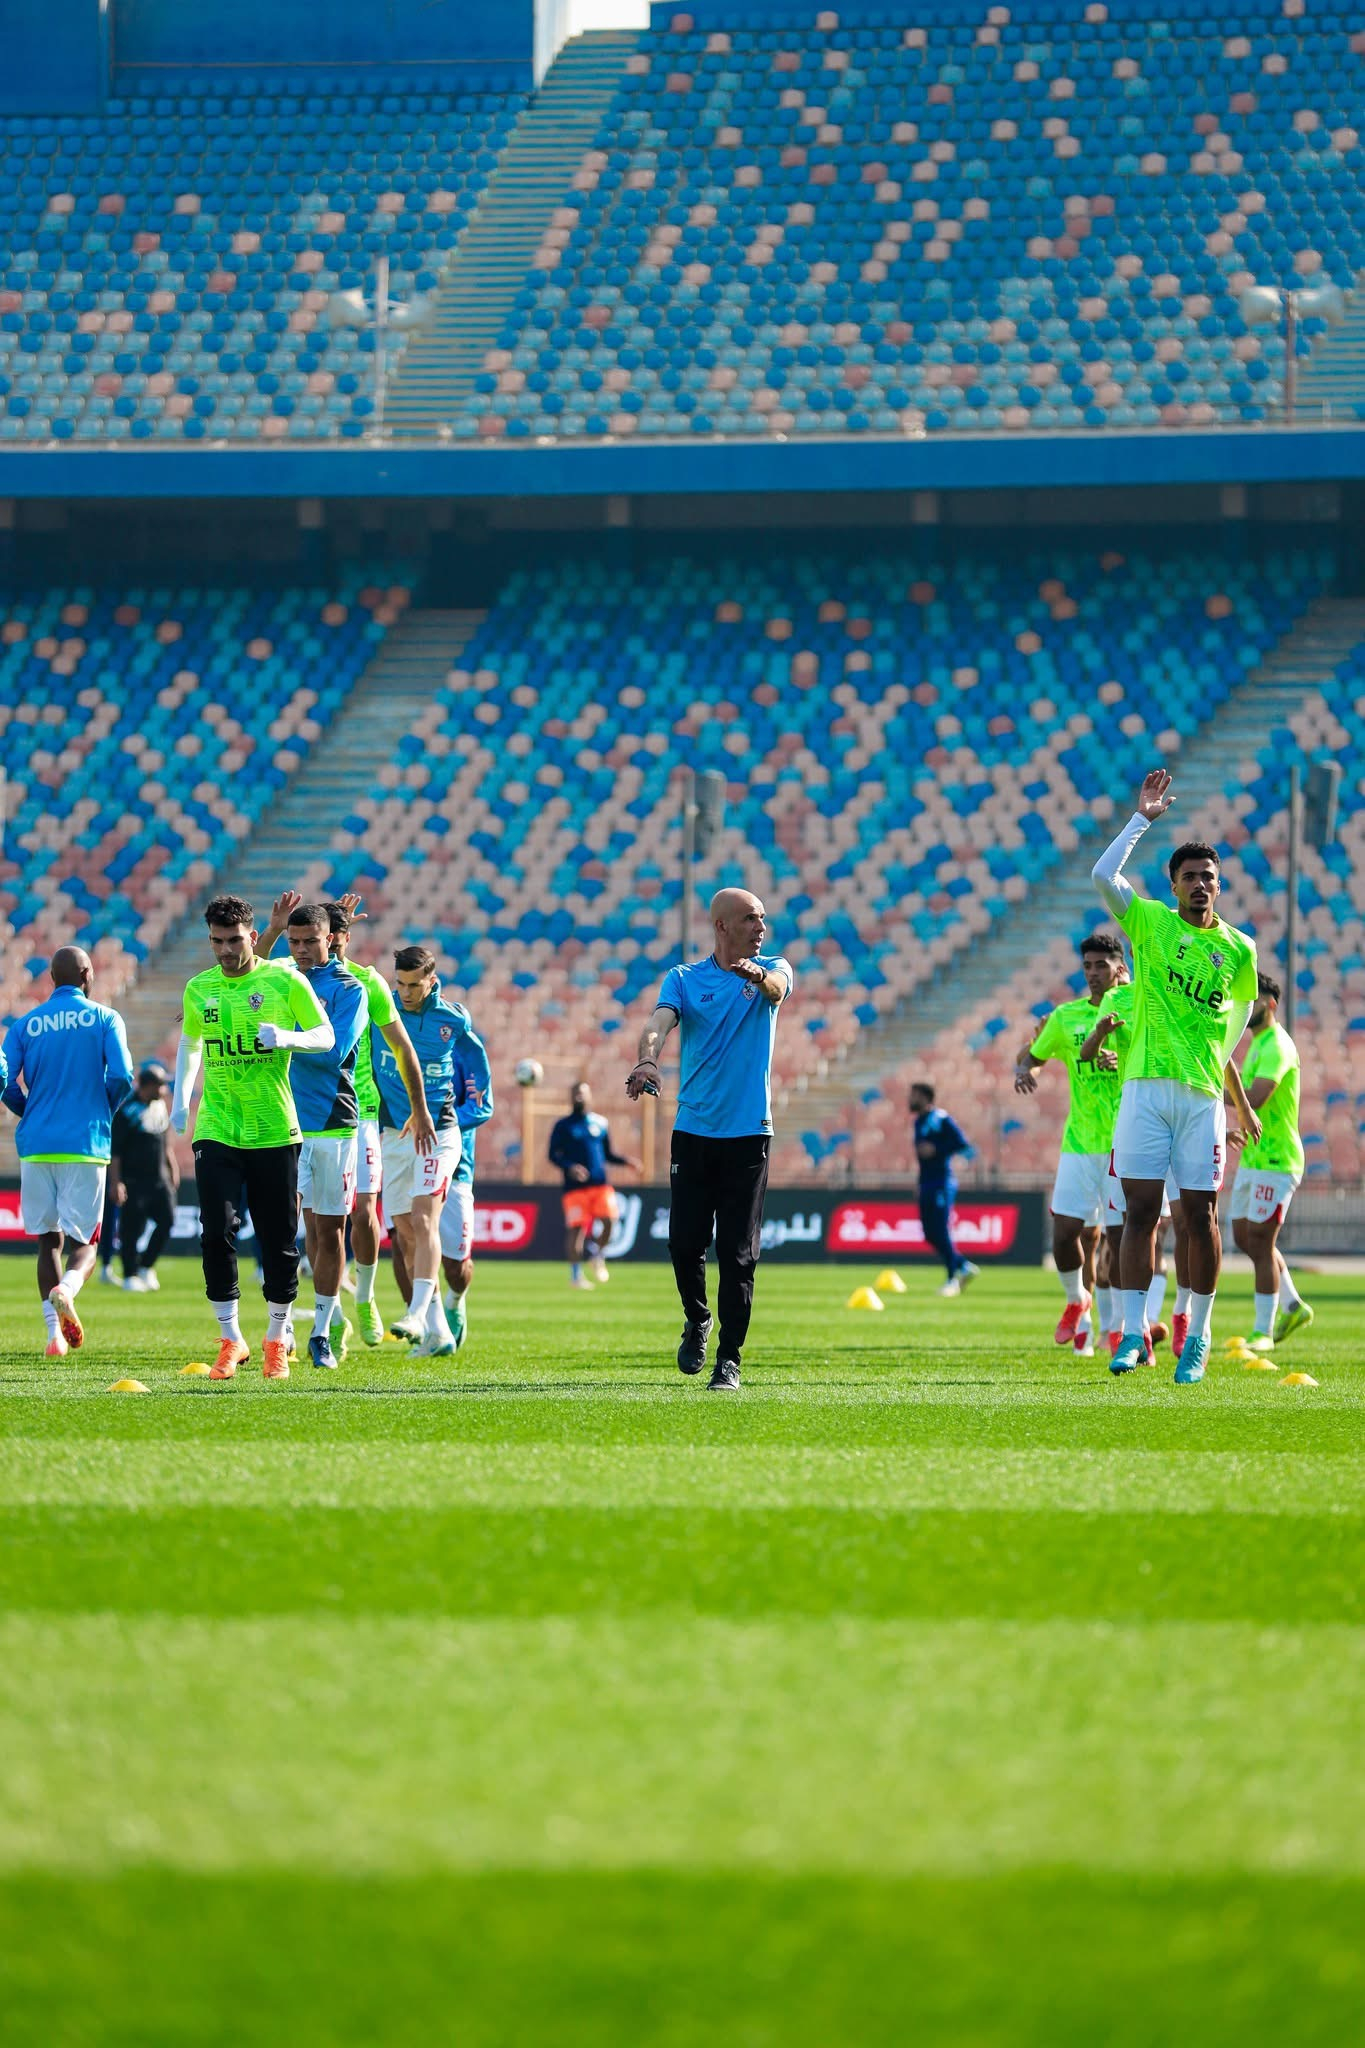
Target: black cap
(153, 1071)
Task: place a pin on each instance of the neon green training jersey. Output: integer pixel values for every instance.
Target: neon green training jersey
(1186, 982)
(247, 1100)
(1273, 1056)
(1094, 1092)
(382, 1011)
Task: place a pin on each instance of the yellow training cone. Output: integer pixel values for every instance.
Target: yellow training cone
(865, 1297)
(195, 1370)
(1298, 1379)
(1254, 1362)
(129, 1387)
(889, 1282)
(1235, 1346)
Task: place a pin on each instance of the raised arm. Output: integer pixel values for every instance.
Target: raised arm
(1153, 800)
(643, 1078)
(774, 986)
(281, 910)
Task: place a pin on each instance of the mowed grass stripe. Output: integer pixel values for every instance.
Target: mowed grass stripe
(743, 1562)
(108, 1472)
(960, 1748)
(656, 1958)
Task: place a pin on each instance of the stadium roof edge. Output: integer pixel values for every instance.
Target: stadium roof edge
(941, 463)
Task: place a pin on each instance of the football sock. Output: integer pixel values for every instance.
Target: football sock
(1104, 1308)
(1071, 1285)
(436, 1317)
(422, 1292)
(1201, 1311)
(1265, 1314)
(1182, 1299)
(73, 1282)
(279, 1313)
(575, 1271)
(1156, 1295)
(228, 1325)
(1289, 1293)
(50, 1318)
(1134, 1310)
(325, 1307)
(364, 1281)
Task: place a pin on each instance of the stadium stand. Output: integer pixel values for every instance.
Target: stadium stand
(912, 743)
(1037, 216)
(165, 266)
(1246, 814)
(144, 733)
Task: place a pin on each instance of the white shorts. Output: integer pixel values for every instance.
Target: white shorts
(1079, 1189)
(409, 1173)
(1261, 1197)
(1165, 1128)
(457, 1222)
(327, 1175)
(62, 1195)
(1116, 1202)
(369, 1171)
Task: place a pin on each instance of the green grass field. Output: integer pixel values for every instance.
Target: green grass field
(935, 1689)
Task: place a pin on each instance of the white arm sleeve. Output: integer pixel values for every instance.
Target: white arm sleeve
(314, 1038)
(188, 1059)
(1107, 873)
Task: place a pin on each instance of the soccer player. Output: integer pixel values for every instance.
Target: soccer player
(474, 1106)
(66, 1069)
(323, 1087)
(580, 1146)
(1078, 1192)
(725, 1008)
(1270, 1170)
(416, 1179)
(145, 1176)
(939, 1140)
(1194, 981)
(242, 1019)
(383, 1018)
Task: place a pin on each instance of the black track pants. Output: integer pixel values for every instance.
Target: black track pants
(268, 1177)
(717, 1184)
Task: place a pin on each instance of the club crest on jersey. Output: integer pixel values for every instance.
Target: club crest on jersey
(254, 1000)
(447, 1031)
(1217, 959)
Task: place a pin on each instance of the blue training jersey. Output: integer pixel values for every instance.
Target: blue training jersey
(323, 1083)
(454, 1064)
(68, 1071)
(945, 1135)
(584, 1139)
(727, 1028)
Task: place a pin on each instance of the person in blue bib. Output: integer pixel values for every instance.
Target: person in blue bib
(66, 1070)
(939, 1142)
(725, 1010)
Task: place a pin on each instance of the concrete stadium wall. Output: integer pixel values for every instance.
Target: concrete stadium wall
(1226, 457)
(297, 35)
(54, 56)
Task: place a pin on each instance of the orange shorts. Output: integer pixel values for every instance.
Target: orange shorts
(585, 1206)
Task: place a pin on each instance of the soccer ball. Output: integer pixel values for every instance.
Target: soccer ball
(530, 1073)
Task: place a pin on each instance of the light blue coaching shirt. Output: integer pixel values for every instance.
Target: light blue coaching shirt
(727, 1028)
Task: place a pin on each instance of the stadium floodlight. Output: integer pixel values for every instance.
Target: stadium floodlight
(1261, 305)
(382, 317)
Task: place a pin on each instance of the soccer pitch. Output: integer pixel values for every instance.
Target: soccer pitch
(936, 1688)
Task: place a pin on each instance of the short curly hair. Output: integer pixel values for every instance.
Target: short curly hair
(227, 910)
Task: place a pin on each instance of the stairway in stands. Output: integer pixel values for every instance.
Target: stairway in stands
(397, 686)
(1332, 380)
(1271, 694)
(490, 265)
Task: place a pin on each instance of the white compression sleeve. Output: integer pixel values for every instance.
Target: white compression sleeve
(316, 1038)
(1107, 873)
(189, 1055)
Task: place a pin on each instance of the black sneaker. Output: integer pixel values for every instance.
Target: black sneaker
(725, 1378)
(692, 1349)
